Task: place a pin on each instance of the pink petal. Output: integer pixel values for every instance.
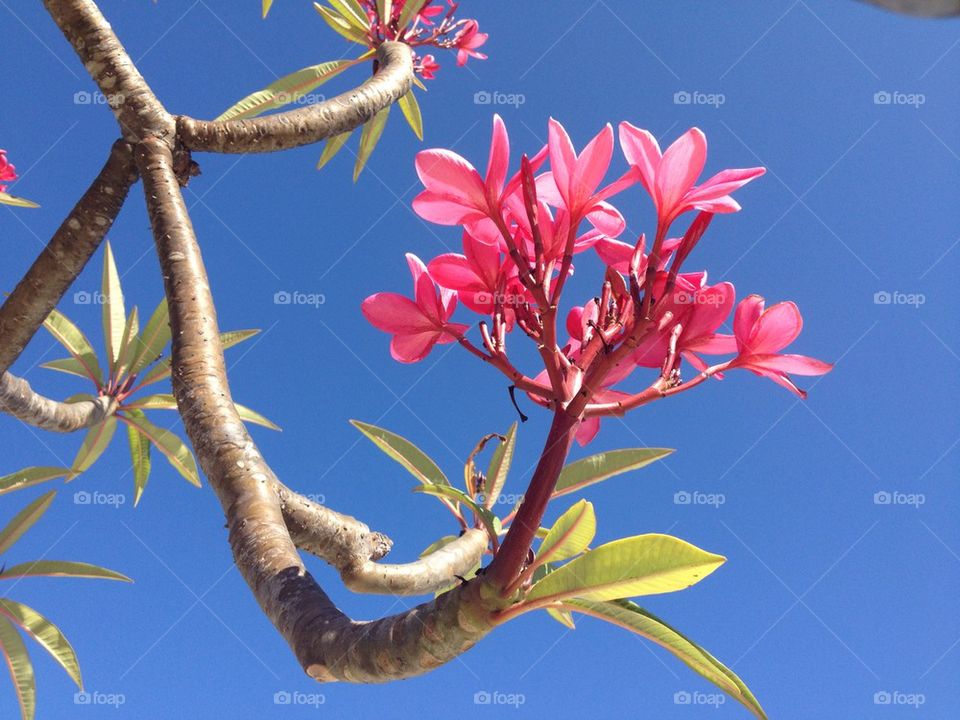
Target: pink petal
(588, 430)
(792, 364)
(642, 152)
(446, 173)
(563, 158)
(592, 165)
(394, 314)
(719, 206)
(615, 254)
(724, 183)
(607, 219)
(413, 348)
(548, 192)
(454, 272)
(748, 312)
(776, 328)
(713, 345)
(499, 161)
(680, 167)
(444, 209)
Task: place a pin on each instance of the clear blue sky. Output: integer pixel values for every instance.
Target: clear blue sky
(827, 598)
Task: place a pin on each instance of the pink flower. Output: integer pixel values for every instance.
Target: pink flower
(762, 334)
(618, 255)
(416, 325)
(454, 192)
(477, 276)
(467, 42)
(669, 177)
(427, 67)
(7, 171)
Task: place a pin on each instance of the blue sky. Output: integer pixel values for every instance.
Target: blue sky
(829, 597)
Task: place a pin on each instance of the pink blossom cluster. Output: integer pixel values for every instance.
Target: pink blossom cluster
(434, 25)
(521, 232)
(8, 172)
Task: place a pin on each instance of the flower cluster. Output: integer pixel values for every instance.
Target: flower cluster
(422, 25)
(521, 233)
(8, 172)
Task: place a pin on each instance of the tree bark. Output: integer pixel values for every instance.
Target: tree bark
(19, 400)
(923, 8)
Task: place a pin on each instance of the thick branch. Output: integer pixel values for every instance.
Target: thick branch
(18, 399)
(68, 251)
(132, 101)
(328, 644)
(925, 8)
(309, 124)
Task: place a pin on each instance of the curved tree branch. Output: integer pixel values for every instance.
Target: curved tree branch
(924, 8)
(328, 644)
(18, 399)
(309, 124)
(132, 101)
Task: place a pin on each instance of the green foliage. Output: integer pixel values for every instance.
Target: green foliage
(603, 466)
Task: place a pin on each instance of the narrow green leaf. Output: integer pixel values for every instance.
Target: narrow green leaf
(114, 313)
(227, 340)
(69, 365)
(597, 468)
(499, 467)
(369, 138)
(21, 669)
(634, 618)
(96, 441)
(176, 452)
(456, 495)
(410, 10)
(46, 634)
(641, 565)
(61, 568)
(286, 90)
(7, 199)
(332, 147)
(351, 11)
(411, 111)
(76, 343)
(385, 10)
(252, 416)
(267, 4)
(24, 520)
(404, 452)
(166, 401)
(562, 616)
(433, 547)
(153, 340)
(140, 456)
(570, 535)
(30, 476)
(340, 25)
(128, 345)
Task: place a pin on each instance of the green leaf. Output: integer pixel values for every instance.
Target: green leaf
(332, 147)
(266, 7)
(69, 365)
(458, 496)
(166, 401)
(155, 336)
(176, 452)
(369, 138)
(562, 616)
(61, 568)
(114, 313)
(140, 456)
(30, 476)
(411, 111)
(410, 10)
(352, 13)
(46, 634)
(570, 535)
(76, 343)
(499, 467)
(7, 199)
(341, 25)
(227, 340)
(385, 10)
(24, 520)
(597, 468)
(404, 452)
(286, 90)
(641, 565)
(128, 345)
(21, 669)
(252, 416)
(95, 442)
(433, 547)
(632, 617)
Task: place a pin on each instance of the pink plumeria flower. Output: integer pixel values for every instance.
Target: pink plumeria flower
(7, 171)
(618, 255)
(761, 335)
(574, 180)
(427, 67)
(467, 42)
(416, 325)
(477, 276)
(670, 177)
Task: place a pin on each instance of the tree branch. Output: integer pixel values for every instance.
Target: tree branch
(309, 124)
(18, 399)
(924, 8)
